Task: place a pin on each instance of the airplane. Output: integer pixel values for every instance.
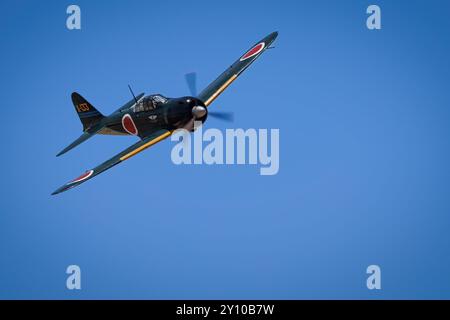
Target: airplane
(154, 117)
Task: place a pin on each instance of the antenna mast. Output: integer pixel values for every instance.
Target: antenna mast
(132, 93)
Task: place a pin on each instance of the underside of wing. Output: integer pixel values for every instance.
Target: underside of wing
(122, 156)
(211, 92)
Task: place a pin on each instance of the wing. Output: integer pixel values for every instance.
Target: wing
(124, 155)
(211, 92)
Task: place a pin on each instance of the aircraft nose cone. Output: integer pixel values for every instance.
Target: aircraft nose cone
(199, 112)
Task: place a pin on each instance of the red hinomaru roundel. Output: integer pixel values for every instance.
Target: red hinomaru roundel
(84, 176)
(253, 51)
(128, 125)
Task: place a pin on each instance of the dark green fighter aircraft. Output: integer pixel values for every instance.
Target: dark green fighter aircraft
(154, 117)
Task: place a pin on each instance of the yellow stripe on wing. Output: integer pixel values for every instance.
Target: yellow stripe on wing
(146, 145)
(220, 90)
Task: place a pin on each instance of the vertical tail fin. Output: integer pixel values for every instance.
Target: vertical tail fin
(86, 111)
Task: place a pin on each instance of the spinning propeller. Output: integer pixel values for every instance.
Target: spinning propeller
(199, 111)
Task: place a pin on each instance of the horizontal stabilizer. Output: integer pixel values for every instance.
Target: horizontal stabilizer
(81, 139)
(86, 135)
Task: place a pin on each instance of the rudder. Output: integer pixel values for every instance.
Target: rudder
(86, 111)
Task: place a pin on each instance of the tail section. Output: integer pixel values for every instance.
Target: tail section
(86, 111)
(90, 118)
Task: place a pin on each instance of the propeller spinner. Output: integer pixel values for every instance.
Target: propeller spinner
(199, 112)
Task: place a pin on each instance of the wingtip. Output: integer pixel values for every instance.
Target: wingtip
(57, 191)
(271, 37)
(60, 190)
(63, 151)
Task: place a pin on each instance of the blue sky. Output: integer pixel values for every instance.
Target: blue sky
(364, 152)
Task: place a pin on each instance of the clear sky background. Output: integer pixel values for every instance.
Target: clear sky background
(364, 152)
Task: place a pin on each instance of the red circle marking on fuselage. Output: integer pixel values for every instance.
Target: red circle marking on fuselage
(253, 51)
(128, 125)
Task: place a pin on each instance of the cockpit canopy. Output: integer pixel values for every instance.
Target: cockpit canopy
(149, 103)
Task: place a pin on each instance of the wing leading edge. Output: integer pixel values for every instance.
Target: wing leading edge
(211, 92)
(122, 156)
